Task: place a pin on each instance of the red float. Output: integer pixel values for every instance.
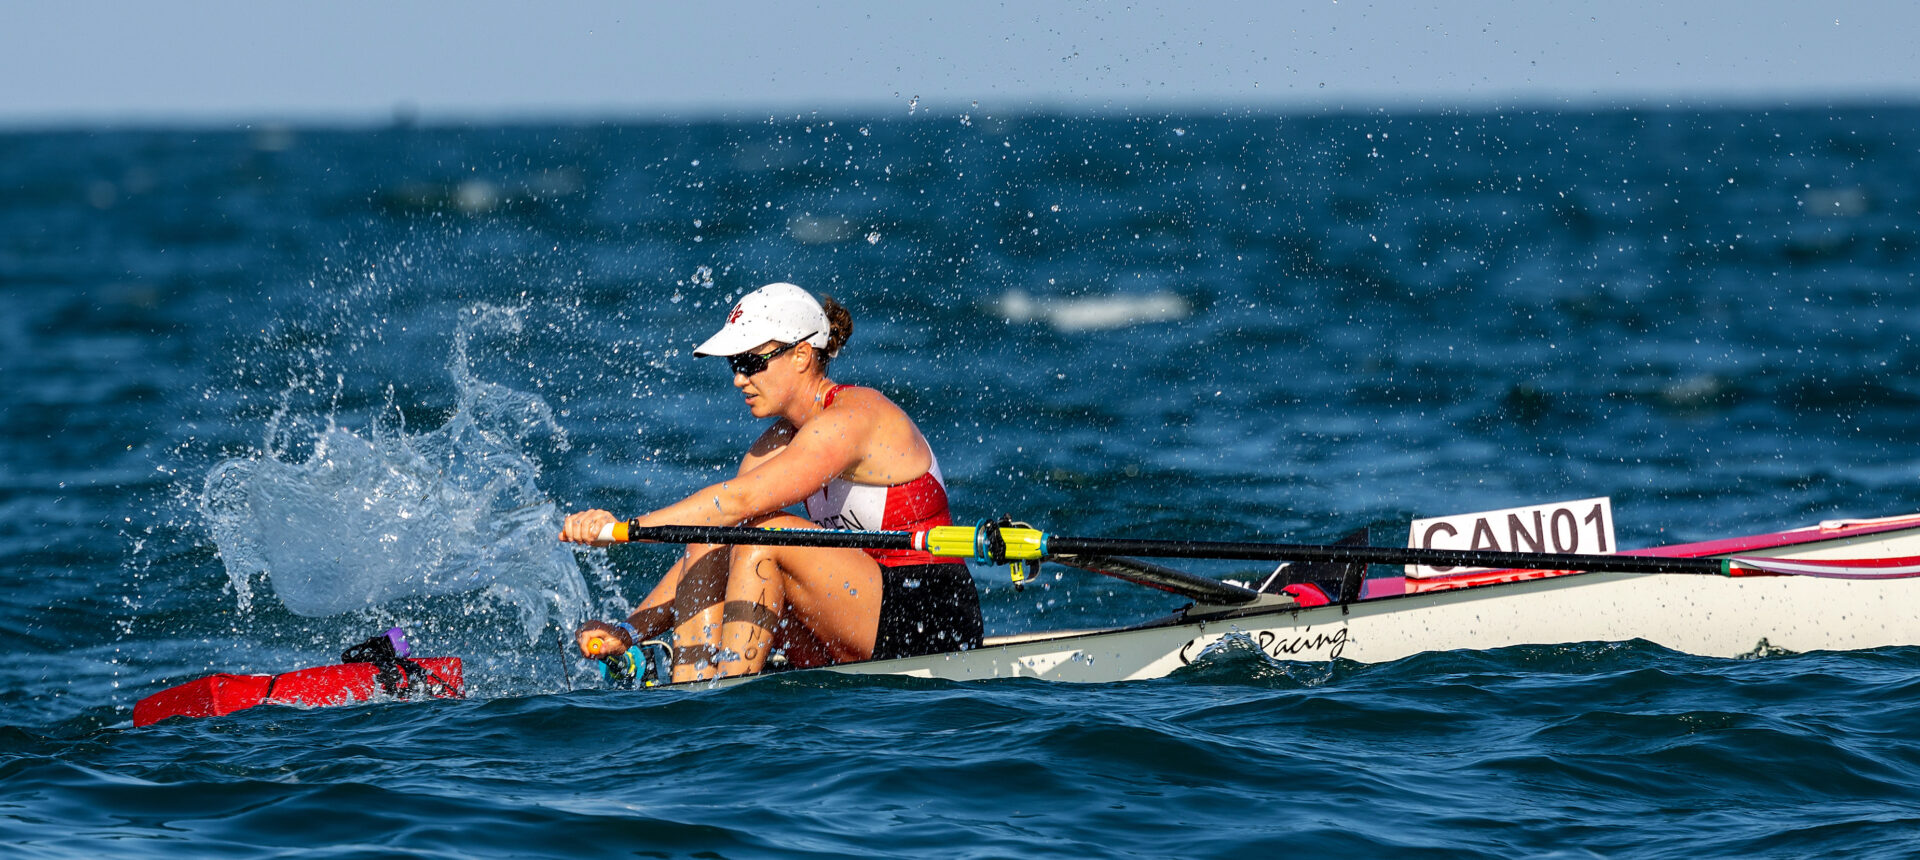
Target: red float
(318, 687)
(378, 667)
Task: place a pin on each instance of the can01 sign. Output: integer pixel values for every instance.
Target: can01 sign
(1584, 526)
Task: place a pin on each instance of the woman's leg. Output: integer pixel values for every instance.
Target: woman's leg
(802, 648)
(834, 594)
(690, 599)
(696, 642)
(655, 614)
(669, 601)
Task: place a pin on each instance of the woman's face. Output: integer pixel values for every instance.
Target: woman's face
(769, 391)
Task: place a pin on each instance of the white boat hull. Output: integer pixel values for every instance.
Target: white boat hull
(1705, 615)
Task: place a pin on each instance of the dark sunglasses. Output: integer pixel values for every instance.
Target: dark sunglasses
(750, 363)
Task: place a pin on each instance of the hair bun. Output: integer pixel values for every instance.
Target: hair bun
(840, 324)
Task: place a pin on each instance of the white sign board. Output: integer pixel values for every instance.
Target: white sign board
(1584, 526)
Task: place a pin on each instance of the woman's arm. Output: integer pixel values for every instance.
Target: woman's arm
(773, 475)
(779, 476)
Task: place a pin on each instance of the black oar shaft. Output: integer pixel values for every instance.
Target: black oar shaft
(1179, 582)
(1440, 558)
(1164, 578)
(1237, 550)
(772, 537)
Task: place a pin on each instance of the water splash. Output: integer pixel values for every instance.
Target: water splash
(364, 520)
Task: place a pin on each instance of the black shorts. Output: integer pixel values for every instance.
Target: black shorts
(926, 609)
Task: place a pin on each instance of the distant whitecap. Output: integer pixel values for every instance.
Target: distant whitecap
(1095, 313)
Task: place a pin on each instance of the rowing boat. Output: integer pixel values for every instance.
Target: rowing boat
(1837, 585)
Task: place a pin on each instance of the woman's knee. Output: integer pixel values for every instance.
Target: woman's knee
(754, 558)
(754, 563)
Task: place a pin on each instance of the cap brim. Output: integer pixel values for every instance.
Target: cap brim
(731, 340)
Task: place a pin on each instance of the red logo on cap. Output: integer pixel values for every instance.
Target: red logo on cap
(734, 317)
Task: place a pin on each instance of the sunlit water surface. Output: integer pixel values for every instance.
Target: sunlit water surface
(271, 390)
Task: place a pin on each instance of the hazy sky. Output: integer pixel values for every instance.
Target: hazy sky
(84, 61)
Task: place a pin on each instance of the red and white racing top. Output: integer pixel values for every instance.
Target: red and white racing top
(913, 506)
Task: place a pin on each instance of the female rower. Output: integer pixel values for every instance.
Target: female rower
(857, 461)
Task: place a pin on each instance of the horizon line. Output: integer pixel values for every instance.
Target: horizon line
(407, 114)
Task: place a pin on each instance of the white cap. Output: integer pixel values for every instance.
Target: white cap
(780, 312)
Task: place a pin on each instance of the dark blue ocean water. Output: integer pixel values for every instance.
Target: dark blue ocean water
(269, 390)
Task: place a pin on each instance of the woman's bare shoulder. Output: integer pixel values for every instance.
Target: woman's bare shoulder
(861, 398)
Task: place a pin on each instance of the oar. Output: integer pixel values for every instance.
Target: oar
(1146, 573)
(989, 543)
(954, 542)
